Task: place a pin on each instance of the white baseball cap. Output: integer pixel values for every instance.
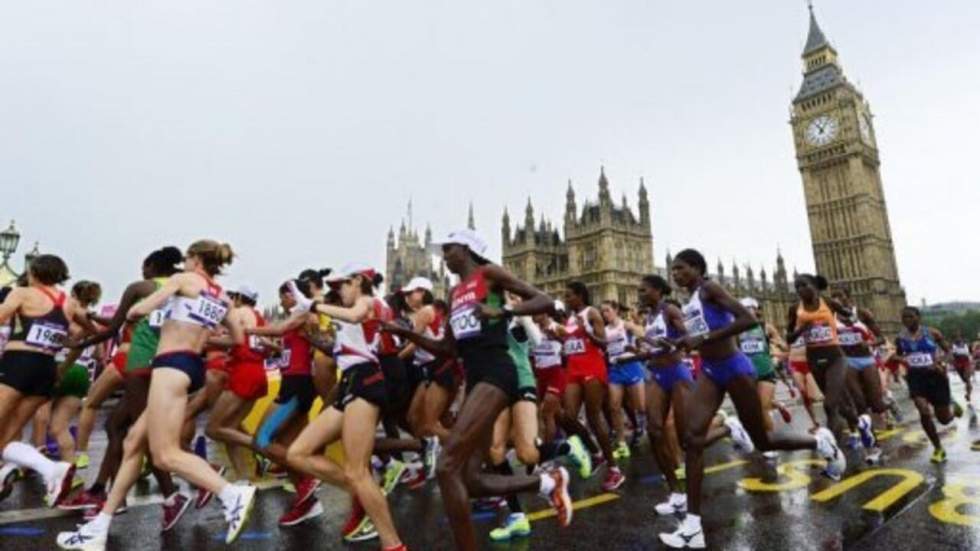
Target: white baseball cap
(247, 292)
(418, 283)
(350, 270)
(469, 239)
(750, 302)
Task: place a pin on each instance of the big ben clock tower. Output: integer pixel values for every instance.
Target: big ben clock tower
(837, 154)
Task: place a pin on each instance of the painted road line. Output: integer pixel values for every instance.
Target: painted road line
(577, 506)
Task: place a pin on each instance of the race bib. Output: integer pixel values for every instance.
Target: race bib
(919, 359)
(574, 346)
(819, 335)
(616, 348)
(850, 338)
(465, 324)
(696, 325)
(209, 311)
(43, 335)
(752, 347)
(156, 318)
(255, 343)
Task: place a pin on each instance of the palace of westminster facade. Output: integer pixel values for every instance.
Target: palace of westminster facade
(609, 247)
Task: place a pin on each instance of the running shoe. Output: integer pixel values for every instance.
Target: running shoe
(8, 475)
(83, 500)
(614, 479)
(431, 457)
(58, 487)
(580, 456)
(827, 447)
(771, 455)
(174, 507)
(355, 522)
(938, 456)
(414, 479)
(868, 439)
(676, 504)
(559, 497)
(204, 496)
(622, 451)
(681, 472)
(853, 441)
(393, 475)
(301, 511)
(957, 409)
(306, 488)
(82, 461)
(238, 510)
(516, 526)
(365, 533)
(688, 535)
(874, 456)
(85, 538)
(743, 442)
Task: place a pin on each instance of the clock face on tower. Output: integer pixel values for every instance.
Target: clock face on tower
(822, 130)
(865, 125)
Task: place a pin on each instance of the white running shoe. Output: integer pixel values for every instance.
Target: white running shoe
(771, 455)
(60, 484)
(86, 538)
(676, 504)
(868, 439)
(743, 442)
(688, 535)
(238, 511)
(827, 447)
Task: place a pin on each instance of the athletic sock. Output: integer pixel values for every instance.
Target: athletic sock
(101, 522)
(512, 502)
(547, 485)
(25, 455)
(228, 494)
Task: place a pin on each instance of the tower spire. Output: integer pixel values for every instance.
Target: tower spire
(815, 38)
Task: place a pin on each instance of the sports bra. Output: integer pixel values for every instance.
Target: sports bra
(823, 330)
(702, 317)
(206, 310)
(657, 328)
(48, 331)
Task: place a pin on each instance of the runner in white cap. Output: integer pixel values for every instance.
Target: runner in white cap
(353, 417)
(478, 333)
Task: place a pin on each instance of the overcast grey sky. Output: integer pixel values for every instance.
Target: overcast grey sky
(128, 125)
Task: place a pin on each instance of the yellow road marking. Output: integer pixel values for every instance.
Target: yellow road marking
(725, 466)
(910, 481)
(577, 506)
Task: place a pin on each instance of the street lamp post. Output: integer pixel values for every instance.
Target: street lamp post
(9, 239)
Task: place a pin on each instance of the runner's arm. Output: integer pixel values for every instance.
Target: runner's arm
(295, 320)
(11, 304)
(157, 298)
(133, 293)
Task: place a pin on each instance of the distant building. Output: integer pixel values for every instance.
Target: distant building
(610, 248)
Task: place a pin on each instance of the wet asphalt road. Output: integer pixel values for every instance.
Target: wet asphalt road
(749, 504)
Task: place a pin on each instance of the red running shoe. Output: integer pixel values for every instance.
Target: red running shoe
(301, 511)
(204, 496)
(305, 489)
(614, 479)
(559, 498)
(356, 519)
(83, 500)
(174, 510)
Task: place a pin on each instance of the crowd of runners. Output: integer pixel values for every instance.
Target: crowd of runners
(489, 392)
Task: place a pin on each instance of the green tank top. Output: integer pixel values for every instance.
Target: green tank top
(755, 345)
(146, 336)
(519, 354)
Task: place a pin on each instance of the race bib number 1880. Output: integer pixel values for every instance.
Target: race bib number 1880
(210, 311)
(465, 324)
